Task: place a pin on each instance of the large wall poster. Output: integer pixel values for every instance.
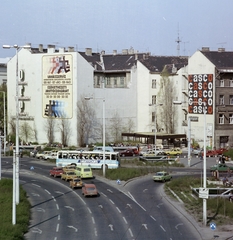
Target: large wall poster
(200, 90)
(57, 86)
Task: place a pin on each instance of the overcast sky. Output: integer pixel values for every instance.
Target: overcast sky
(147, 26)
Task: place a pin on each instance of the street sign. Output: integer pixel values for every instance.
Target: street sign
(204, 193)
(193, 119)
(212, 226)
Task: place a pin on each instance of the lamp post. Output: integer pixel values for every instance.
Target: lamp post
(16, 158)
(204, 156)
(155, 105)
(4, 113)
(103, 99)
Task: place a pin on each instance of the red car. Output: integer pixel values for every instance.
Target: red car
(128, 153)
(210, 153)
(56, 171)
(89, 190)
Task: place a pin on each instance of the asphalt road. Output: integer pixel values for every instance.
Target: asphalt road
(139, 211)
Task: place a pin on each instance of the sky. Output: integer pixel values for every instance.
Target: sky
(147, 26)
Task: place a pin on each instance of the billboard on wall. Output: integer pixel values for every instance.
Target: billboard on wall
(200, 90)
(57, 86)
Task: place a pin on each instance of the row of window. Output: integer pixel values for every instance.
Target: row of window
(110, 81)
(222, 100)
(222, 83)
(224, 120)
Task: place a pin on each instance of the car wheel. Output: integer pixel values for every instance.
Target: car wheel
(123, 155)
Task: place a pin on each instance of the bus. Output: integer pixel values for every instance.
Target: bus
(93, 159)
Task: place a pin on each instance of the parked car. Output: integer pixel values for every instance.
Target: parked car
(197, 151)
(162, 177)
(51, 155)
(221, 167)
(210, 153)
(174, 151)
(68, 175)
(40, 155)
(56, 171)
(76, 183)
(89, 190)
(128, 153)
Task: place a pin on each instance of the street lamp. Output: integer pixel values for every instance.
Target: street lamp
(103, 99)
(4, 105)
(155, 105)
(16, 158)
(204, 154)
(4, 137)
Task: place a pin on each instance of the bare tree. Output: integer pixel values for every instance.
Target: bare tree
(85, 121)
(35, 132)
(12, 126)
(65, 130)
(116, 127)
(49, 126)
(26, 131)
(166, 95)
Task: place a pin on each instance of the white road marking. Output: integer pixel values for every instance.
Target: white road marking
(163, 228)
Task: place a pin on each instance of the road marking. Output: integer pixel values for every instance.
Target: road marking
(180, 224)
(145, 190)
(145, 226)
(125, 220)
(158, 206)
(111, 201)
(111, 227)
(110, 190)
(57, 206)
(93, 220)
(130, 232)
(57, 229)
(75, 229)
(118, 210)
(89, 210)
(40, 210)
(36, 185)
(153, 218)
(36, 230)
(95, 230)
(69, 208)
(47, 191)
(137, 202)
(163, 228)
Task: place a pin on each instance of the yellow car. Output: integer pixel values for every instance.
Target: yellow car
(67, 176)
(174, 151)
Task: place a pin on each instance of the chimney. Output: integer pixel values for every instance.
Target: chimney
(114, 52)
(136, 56)
(125, 51)
(205, 49)
(221, 49)
(88, 51)
(51, 48)
(41, 48)
(102, 52)
(70, 49)
(61, 50)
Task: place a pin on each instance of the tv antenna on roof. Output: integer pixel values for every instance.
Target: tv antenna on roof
(178, 43)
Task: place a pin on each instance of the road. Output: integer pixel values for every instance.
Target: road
(138, 211)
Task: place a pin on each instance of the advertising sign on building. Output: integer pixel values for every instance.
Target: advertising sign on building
(200, 90)
(57, 85)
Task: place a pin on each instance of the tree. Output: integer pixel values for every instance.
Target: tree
(65, 130)
(26, 131)
(166, 95)
(3, 91)
(49, 126)
(85, 121)
(116, 127)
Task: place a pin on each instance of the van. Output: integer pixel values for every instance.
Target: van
(84, 172)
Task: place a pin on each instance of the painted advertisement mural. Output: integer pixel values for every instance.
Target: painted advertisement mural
(57, 86)
(200, 90)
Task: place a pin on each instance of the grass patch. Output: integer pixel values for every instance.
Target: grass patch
(8, 231)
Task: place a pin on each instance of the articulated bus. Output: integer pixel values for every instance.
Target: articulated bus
(93, 159)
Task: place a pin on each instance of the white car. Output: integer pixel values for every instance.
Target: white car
(52, 155)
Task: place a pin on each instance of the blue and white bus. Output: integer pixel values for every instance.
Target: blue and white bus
(93, 159)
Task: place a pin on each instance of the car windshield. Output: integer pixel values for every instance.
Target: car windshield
(159, 174)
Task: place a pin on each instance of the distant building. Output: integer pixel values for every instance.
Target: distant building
(53, 81)
(3, 70)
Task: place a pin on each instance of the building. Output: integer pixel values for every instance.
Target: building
(210, 80)
(3, 70)
(53, 81)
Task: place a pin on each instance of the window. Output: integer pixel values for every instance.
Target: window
(108, 81)
(221, 100)
(231, 99)
(221, 83)
(231, 83)
(231, 118)
(153, 83)
(221, 118)
(122, 81)
(115, 81)
(153, 116)
(98, 80)
(154, 99)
